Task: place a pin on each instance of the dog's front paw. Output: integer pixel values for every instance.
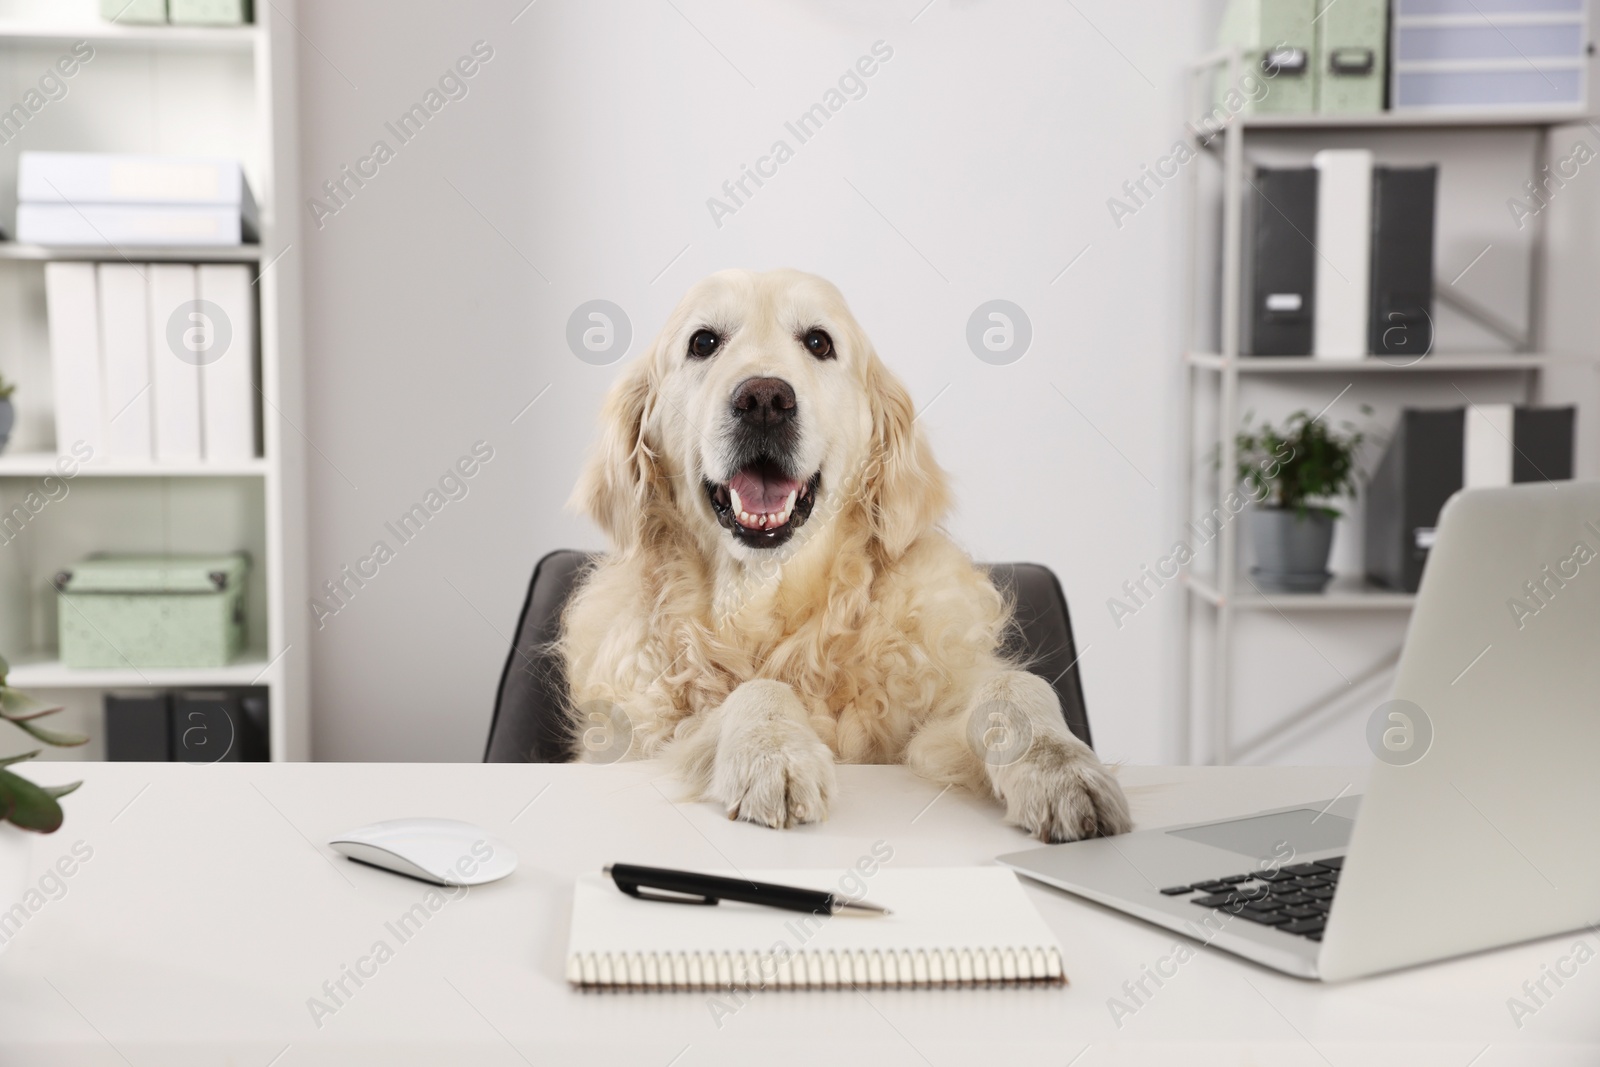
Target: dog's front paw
(1058, 794)
(780, 776)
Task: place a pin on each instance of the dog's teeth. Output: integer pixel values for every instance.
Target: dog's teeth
(738, 505)
(788, 505)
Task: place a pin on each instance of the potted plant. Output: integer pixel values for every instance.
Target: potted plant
(25, 808)
(8, 411)
(1293, 473)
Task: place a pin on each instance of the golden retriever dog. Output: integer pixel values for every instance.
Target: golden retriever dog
(780, 595)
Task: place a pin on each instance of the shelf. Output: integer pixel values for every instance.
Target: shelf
(1465, 362)
(39, 464)
(1344, 593)
(129, 254)
(42, 671)
(1411, 120)
(219, 38)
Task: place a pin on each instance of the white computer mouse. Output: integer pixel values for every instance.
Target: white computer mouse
(441, 851)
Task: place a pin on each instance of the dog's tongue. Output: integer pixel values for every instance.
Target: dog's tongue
(763, 491)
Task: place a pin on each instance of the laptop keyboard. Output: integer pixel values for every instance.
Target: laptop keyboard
(1294, 899)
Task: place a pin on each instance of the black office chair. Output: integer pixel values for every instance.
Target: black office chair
(528, 726)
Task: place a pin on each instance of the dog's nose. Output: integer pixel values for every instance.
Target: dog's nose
(764, 402)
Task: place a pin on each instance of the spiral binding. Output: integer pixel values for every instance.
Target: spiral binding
(815, 969)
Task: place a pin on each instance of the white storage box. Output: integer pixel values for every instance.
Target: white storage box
(1490, 54)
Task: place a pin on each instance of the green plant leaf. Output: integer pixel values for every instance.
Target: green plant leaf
(1300, 465)
(59, 791)
(16, 705)
(9, 760)
(27, 806)
(5, 669)
(58, 738)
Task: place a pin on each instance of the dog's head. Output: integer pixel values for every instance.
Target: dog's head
(761, 411)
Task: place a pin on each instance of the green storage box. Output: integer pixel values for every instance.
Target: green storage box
(1277, 42)
(1352, 55)
(124, 12)
(209, 12)
(152, 611)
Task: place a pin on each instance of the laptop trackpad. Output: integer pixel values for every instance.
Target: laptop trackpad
(1265, 837)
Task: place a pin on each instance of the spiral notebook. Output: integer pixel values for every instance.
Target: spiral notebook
(951, 926)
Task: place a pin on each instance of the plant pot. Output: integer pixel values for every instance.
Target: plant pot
(8, 419)
(1291, 551)
(16, 850)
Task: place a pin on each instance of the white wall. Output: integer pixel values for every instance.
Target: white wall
(977, 166)
(585, 153)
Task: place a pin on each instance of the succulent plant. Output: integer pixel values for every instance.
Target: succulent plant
(22, 803)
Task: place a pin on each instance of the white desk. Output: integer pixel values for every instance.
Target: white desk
(211, 911)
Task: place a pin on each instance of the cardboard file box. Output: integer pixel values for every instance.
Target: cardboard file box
(152, 611)
(137, 725)
(1280, 261)
(1434, 453)
(1401, 307)
(219, 725)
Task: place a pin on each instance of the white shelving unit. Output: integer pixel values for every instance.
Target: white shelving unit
(87, 27)
(1432, 364)
(183, 90)
(168, 254)
(1215, 378)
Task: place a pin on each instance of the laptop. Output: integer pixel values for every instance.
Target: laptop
(1478, 824)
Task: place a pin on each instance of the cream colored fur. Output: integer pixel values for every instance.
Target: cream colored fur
(868, 638)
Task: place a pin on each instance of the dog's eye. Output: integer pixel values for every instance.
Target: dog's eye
(818, 343)
(703, 344)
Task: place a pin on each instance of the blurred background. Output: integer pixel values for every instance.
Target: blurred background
(1075, 176)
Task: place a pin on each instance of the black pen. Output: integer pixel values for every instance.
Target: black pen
(686, 887)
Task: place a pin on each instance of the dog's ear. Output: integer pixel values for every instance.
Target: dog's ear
(623, 471)
(905, 488)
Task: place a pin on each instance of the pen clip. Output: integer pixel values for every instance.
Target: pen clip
(665, 896)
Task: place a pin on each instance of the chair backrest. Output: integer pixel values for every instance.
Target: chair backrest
(529, 726)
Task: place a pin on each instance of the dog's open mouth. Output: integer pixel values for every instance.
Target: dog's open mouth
(762, 504)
